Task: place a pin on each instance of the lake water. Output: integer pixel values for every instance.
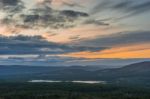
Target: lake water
(53, 81)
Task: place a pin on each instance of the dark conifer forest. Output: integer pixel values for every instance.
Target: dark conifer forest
(70, 91)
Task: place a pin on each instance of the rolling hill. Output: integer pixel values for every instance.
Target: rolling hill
(138, 72)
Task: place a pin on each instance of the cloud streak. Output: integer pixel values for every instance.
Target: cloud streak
(128, 8)
(95, 22)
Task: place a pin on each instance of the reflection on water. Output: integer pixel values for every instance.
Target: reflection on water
(52, 81)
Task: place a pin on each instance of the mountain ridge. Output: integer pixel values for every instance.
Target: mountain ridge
(138, 72)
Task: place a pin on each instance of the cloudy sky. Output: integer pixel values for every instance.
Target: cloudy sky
(74, 32)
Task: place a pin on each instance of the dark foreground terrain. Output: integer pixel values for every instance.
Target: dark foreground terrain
(70, 91)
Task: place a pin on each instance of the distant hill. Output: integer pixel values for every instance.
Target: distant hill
(24, 73)
(134, 73)
(138, 73)
(129, 70)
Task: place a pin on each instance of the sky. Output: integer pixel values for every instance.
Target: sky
(74, 32)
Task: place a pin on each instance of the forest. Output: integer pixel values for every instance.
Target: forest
(71, 91)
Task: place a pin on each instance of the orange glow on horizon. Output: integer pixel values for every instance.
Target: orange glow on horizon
(133, 51)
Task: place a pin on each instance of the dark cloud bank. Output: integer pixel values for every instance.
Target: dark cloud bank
(122, 38)
(37, 45)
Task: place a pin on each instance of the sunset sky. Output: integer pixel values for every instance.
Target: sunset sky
(74, 32)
